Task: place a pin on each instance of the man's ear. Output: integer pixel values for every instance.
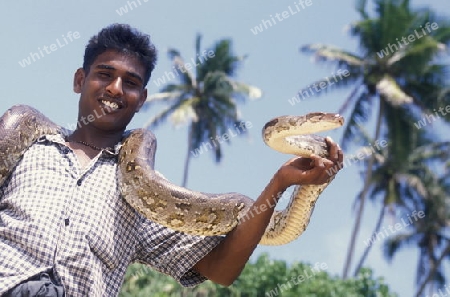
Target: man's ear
(78, 80)
(142, 99)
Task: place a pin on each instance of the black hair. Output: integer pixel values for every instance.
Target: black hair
(124, 39)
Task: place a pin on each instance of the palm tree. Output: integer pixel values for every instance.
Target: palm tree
(429, 234)
(385, 75)
(400, 171)
(206, 99)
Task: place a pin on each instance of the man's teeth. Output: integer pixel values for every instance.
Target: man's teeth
(112, 105)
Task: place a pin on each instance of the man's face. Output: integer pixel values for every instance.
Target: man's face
(111, 92)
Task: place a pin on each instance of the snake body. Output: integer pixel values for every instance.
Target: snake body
(181, 209)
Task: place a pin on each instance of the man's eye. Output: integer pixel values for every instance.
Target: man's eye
(131, 83)
(103, 74)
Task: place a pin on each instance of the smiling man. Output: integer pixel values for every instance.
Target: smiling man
(66, 230)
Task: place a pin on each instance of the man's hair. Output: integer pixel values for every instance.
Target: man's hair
(126, 40)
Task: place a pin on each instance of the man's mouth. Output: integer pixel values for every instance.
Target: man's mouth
(112, 105)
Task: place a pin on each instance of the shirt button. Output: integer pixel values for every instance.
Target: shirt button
(79, 182)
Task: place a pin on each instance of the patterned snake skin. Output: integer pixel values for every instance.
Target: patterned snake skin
(176, 207)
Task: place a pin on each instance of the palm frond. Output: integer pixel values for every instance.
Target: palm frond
(360, 7)
(223, 60)
(388, 88)
(252, 92)
(167, 112)
(395, 243)
(183, 70)
(358, 116)
(351, 97)
(414, 182)
(327, 53)
(166, 96)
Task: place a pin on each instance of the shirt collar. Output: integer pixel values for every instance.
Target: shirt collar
(60, 139)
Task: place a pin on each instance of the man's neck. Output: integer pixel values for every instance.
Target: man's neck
(98, 139)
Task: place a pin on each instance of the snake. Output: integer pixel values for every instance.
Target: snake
(193, 212)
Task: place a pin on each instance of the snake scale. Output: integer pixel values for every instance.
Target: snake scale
(177, 207)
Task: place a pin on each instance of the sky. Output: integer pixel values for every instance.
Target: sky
(43, 45)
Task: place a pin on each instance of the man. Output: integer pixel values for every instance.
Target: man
(64, 226)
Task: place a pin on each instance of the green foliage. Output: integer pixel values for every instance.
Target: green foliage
(402, 84)
(264, 277)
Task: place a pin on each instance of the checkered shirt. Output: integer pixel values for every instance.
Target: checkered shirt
(56, 215)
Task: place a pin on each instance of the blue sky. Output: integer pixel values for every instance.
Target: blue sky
(274, 64)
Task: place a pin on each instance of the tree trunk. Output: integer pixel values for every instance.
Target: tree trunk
(369, 247)
(432, 271)
(362, 197)
(188, 157)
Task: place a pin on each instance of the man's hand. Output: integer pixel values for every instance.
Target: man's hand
(313, 170)
(226, 261)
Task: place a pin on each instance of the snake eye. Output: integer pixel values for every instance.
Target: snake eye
(270, 123)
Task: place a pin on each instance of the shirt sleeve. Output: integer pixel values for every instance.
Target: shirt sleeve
(172, 252)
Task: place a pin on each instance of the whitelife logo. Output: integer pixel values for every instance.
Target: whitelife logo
(266, 24)
(391, 48)
(47, 50)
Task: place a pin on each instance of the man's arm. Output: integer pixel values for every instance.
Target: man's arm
(226, 261)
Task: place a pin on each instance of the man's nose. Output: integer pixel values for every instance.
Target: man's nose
(115, 87)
